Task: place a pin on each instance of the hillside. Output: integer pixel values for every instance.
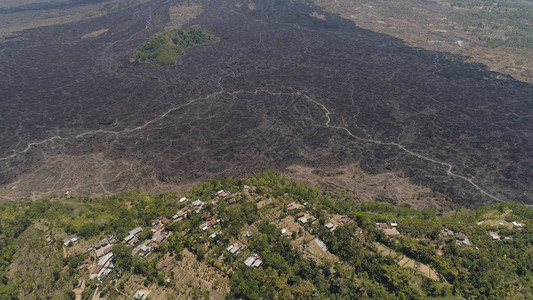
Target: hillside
(288, 83)
(263, 236)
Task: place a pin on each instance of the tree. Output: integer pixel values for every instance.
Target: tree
(123, 257)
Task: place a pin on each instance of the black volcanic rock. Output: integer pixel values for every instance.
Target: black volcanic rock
(209, 116)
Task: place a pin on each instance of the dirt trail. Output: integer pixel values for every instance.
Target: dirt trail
(79, 291)
(327, 124)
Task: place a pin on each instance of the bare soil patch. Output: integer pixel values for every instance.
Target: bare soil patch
(95, 33)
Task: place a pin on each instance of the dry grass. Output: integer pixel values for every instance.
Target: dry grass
(182, 14)
(428, 25)
(364, 187)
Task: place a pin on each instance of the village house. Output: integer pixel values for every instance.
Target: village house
(302, 220)
(95, 271)
(70, 240)
(461, 239)
(221, 194)
(163, 264)
(141, 295)
(446, 232)
(112, 239)
(136, 231)
(330, 226)
(100, 244)
(144, 251)
(103, 251)
(214, 234)
(84, 263)
(181, 214)
(159, 237)
(516, 224)
(234, 249)
(321, 244)
(347, 221)
(382, 226)
(197, 205)
(253, 261)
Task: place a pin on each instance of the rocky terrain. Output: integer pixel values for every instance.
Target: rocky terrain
(282, 87)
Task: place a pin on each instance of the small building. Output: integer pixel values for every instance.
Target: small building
(183, 199)
(95, 271)
(347, 221)
(165, 263)
(249, 261)
(212, 222)
(393, 224)
(460, 236)
(300, 214)
(302, 220)
(129, 238)
(105, 259)
(221, 194)
(136, 231)
(382, 226)
(160, 237)
(140, 295)
(197, 202)
(321, 244)
(494, 236)
(284, 231)
(112, 238)
(257, 263)
(330, 226)
(232, 201)
(461, 239)
(446, 232)
(214, 234)
(234, 249)
(103, 251)
(134, 242)
(144, 251)
(249, 234)
(69, 240)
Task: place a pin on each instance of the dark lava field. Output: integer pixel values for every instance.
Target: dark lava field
(76, 114)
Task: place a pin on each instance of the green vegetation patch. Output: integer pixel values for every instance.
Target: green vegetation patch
(165, 48)
(506, 23)
(361, 261)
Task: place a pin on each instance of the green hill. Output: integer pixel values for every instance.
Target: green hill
(262, 237)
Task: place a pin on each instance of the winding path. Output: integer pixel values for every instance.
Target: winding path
(327, 113)
(449, 167)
